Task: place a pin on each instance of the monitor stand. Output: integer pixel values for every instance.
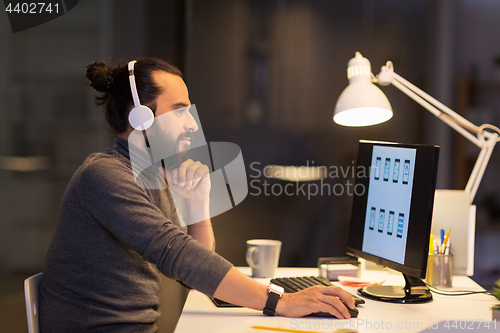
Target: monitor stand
(414, 291)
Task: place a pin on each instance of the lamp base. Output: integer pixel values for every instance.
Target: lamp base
(452, 209)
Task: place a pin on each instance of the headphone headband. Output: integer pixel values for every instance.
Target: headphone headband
(133, 87)
(131, 67)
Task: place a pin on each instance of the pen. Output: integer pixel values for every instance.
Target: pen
(445, 240)
(447, 236)
(276, 329)
(447, 246)
(442, 236)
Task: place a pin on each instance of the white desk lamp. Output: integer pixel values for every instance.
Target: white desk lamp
(364, 104)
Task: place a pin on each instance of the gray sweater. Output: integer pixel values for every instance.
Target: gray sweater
(113, 239)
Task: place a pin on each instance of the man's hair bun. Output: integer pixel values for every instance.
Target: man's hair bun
(100, 76)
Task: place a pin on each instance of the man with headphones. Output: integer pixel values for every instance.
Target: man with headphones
(118, 230)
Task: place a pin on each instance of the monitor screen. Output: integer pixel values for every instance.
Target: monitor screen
(391, 218)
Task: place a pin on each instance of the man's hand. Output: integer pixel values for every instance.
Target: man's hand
(191, 180)
(238, 288)
(315, 299)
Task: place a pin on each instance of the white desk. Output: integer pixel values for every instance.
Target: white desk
(201, 315)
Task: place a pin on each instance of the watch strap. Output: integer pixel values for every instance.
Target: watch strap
(272, 302)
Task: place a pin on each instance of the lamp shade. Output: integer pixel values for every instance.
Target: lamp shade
(361, 103)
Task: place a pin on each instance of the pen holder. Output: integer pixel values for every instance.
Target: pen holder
(439, 270)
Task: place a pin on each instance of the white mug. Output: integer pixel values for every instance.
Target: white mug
(263, 256)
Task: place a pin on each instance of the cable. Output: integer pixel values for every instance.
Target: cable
(457, 292)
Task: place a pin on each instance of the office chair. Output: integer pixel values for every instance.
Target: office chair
(31, 297)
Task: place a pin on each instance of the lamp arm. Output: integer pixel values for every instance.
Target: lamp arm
(442, 108)
(485, 140)
(457, 122)
(437, 112)
(480, 166)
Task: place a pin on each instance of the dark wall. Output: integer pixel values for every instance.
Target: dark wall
(266, 75)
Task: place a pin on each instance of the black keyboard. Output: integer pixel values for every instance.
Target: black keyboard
(294, 284)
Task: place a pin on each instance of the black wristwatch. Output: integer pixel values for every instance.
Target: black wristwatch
(275, 293)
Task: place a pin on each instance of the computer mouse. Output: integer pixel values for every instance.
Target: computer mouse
(353, 312)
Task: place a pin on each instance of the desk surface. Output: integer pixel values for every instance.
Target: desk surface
(201, 315)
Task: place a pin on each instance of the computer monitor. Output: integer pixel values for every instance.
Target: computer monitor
(391, 217)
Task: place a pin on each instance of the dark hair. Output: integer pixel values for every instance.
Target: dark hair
(113, 82)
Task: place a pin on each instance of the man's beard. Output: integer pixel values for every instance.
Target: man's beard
(172, 156)
(175, 157)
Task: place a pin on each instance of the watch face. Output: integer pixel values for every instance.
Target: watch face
(276, 289)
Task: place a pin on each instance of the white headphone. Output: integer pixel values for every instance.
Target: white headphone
(140, 117)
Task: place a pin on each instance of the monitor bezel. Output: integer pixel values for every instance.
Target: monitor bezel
(424, 182)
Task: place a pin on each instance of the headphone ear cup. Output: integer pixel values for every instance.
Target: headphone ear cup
(141, 117)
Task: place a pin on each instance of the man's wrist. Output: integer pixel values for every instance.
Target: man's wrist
(198, 210)
(198, 203)
(274, 295)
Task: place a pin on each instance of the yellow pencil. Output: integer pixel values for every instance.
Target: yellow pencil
(276, 329)
(431, 244)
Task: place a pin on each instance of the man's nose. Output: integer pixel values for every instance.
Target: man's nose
(191, 124)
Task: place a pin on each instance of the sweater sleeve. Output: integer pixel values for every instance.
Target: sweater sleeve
(110, 195)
